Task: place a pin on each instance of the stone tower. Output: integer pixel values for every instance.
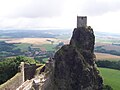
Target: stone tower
(81, 21)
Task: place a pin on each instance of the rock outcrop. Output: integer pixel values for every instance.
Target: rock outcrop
(74, 67)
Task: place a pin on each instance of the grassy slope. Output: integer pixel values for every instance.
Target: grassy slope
(111, 77)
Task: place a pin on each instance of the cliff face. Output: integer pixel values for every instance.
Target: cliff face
(74, 64)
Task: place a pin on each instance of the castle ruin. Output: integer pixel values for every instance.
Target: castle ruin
(81, 21)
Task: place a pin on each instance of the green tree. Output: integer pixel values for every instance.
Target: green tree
(9, 67)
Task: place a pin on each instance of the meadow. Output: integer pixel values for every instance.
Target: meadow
(111, 77)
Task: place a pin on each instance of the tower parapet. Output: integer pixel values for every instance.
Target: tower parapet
(81, 21)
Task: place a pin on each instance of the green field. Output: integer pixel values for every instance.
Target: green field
(48, 47)
(111, 77)
(22, 46)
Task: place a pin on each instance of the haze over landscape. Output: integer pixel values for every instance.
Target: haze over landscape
(103, 15)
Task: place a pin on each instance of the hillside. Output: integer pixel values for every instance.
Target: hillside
(41, 48)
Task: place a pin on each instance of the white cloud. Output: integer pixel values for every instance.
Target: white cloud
(98, 7)
(30, 8)
(103, 15)
(108, 22)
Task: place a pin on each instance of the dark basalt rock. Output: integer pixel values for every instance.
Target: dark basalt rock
(74, 63)
(75, 67)
(83, 38)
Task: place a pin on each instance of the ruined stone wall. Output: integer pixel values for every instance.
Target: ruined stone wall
(13, 83)
(27, 71)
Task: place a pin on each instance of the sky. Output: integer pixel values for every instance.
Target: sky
(102, 15)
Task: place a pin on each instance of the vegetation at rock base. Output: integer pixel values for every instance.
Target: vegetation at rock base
(9, 67)
(107, 87)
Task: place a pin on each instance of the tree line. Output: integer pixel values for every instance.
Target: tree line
(109, 64)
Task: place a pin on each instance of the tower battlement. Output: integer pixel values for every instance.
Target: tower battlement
(81, 21)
